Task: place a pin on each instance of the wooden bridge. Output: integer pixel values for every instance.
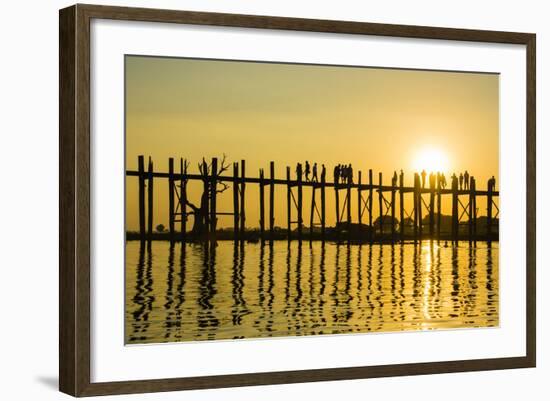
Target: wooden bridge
(212, 176)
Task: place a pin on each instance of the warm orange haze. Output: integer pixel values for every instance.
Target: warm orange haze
(311, 200)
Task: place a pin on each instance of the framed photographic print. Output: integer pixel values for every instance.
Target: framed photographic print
(250, 200)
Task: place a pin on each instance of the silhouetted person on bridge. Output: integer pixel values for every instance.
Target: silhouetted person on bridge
(460, 181)
(492, 184)
(307, 171)
(299, 171)
(432, 181)
(423, 174)
(454, 181)
(394, 179)
(314, 173)
(336, 174)
(416, 180)
(344, 173)
(472, 184)
(443, 181)
(466, 180)
(323, 173)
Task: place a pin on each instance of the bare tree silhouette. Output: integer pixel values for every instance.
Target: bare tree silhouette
(201, 212)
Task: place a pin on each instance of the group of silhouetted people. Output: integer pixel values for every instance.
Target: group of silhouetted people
(437, 179)
(343, 174)
(310, 170)
(464, 181)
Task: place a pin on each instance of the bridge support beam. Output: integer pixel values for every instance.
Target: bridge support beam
(150, 200)
(171, 198)
(401, 207)
(141, 197)
(271, 200)
(262, 206)
(236, 217)
(288, 205)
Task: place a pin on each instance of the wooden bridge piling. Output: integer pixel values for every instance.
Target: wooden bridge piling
(420, 222)
(393, 210)
(262, 206)
(323, 206)
(359, 200)
(183, 199)
(380, 206)
(171, 198)
(150, 200)
(438, 217)
(242, 199)
(236, 216)
(300, 201)
(474, 210)
(489, 210)
(206, 194)
(416, 192)
(337, 204)
(371, 184)
(432, 202)
(471, 210)
(213, 196)
(141, 197)
(271, 200)
(288, 205)
(401, 206)
(348, 207)
(455, 209)
(311, 213)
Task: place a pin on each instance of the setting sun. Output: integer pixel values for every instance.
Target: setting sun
(431, 160)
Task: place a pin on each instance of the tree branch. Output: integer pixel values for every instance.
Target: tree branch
(192, 206)
(224, 165)
(224, 187)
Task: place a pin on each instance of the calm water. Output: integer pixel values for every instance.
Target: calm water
(225, 292)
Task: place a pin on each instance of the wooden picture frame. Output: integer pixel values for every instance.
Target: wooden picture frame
(74, 204)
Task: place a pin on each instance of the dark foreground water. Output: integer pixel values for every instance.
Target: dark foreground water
(225, 292)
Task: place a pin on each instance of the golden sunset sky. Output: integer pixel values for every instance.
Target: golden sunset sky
(384, 119)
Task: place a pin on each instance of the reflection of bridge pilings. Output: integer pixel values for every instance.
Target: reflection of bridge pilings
(169, 322)
(206, 317)
(455, 292)
(260, 318)
(180, 290)
(143, 298)
(492, 310)
(347, 286)
(297, 312)
(472, 300)
(239, 309)
(270, 293)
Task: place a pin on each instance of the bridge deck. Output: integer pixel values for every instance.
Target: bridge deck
(276, 181)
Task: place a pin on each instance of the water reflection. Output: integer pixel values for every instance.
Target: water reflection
(196, 292)
(143, 298)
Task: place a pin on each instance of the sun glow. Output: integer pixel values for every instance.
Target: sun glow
(431, 160)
